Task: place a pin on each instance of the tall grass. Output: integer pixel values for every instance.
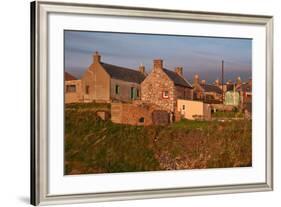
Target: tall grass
(96, 146)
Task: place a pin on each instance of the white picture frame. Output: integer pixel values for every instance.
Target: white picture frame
(41, 137)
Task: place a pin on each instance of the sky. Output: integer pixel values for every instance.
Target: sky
(197, 55)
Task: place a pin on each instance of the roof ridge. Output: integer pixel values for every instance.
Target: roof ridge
(122, 73)
(208, 84)
(121, 67)
(181, 77)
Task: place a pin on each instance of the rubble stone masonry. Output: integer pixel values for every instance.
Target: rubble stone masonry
(132, 114)
(154, 87)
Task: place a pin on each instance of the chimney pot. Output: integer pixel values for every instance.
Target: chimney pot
(196, 79)
(142, 69)
(179, 70)
(96, 57)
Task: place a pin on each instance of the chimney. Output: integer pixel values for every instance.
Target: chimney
(158, 64)
(96, 57)
(142, 69)
(196, 79)
(178, 70)
(203, 82)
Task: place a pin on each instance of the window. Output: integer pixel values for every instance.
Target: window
(70, 88)
(138, 93)
(87, 89)
(165, 94)
(134, 93)
(117, 89)
(183, 107)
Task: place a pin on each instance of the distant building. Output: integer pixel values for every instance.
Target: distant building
(72, 89)
(245, 92)
(207, 93)
(103, 82)
(163, 87)
(232, 98)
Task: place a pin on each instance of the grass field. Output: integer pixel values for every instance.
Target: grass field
(96, 146)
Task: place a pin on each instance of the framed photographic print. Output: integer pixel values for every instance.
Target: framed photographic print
(134, 103)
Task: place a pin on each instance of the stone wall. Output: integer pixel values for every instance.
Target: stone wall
(153, 87)
(73, 96)
(132, 113)
(222, 107)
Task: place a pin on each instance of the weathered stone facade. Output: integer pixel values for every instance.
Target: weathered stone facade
(158, 88)
(139, 113)
(132, 113)
(154, 87)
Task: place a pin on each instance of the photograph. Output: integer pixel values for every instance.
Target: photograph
(136, 102)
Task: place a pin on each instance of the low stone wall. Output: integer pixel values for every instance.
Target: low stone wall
(222, 107)
(138, 113)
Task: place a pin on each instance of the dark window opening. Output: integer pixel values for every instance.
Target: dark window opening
(87, 89)
(117, 89)
(141, 120)
(71, 88)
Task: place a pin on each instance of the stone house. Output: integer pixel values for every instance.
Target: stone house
(72, 89)
(163, 87)
(208, 93)
(103, 82)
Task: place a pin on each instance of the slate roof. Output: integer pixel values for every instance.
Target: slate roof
(122, 73)
(211, 88)
(177, 79)
(69, 77)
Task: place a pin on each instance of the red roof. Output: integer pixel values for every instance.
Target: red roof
(68, 76)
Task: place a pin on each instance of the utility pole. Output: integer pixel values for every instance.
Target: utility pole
(222, 80)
